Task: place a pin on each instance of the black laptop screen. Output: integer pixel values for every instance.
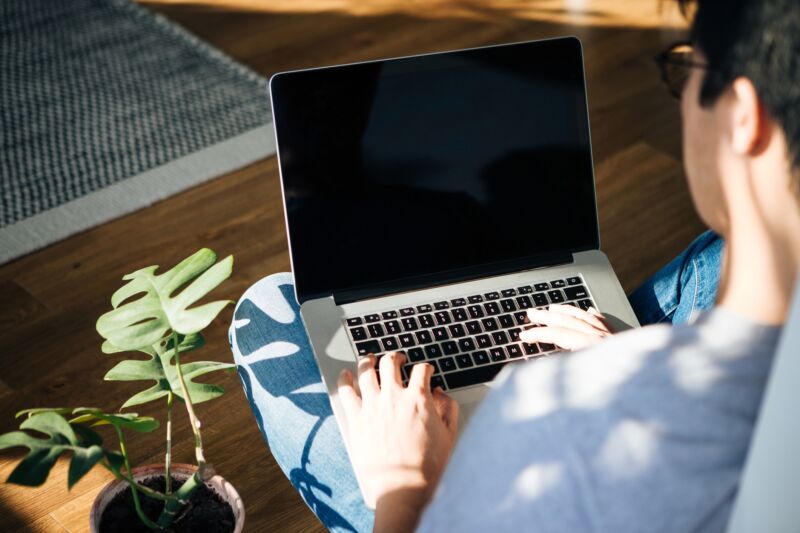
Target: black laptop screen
(419, 170)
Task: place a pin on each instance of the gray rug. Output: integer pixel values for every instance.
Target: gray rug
(105, 108)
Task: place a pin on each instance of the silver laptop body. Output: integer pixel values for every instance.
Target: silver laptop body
(365, 147)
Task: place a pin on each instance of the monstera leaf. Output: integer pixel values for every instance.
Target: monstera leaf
(62, 436)
(138, 324)
(161, 369)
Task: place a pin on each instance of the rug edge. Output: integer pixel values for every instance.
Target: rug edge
(134, 193)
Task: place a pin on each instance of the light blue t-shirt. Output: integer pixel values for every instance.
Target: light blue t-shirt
(647, 431)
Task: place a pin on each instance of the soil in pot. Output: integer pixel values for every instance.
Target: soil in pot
(205, 512)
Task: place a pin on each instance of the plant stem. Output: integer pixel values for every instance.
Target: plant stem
(134, 490)
(168, 458)
(198, 440)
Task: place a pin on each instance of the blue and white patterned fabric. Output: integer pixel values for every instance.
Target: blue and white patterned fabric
(95, 91)
(282, 383)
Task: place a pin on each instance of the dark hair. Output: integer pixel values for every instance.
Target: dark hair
(757, 39)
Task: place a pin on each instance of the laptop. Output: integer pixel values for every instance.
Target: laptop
(431, 200)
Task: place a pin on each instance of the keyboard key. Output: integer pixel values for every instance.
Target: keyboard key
(500, 337)
(508, 305)
(576, 293)
(464, 360)
(410, 324)
(354, 321)
(497, 354)
(426, 321)
(481, 358)
(524, 302)
(506, 321)
(556, 296)
(407, 311)
(489, 324)
(525, 289)
(415, 355)
(441, 305)
(375, 330)
(514, 351)
(407, 372)
(390, 344)
(522, 318)
(541, 286)
(440, 334)
(530, 348)
(466, 345)
(460, 315)
(368, 347)
(392, 327)
(457, 330)
(389, 315)
(407, 340)
(492, 295)
(457, 302)
(358, 334)
(473, 376)
(424, 337)
(435, 366)
(574, 280)
(585, 304)
(450, 347)
(539, 299)
(372, 318)
(475, 311)
(438, 382)
(558, 284)
(547, 347)
(475, 299)
(509, 292)
(513, 334)
(433, 350)
(447, 364)
(473, 327)
(443, 317)
(492, 308)
(484, 341)
(424, 308)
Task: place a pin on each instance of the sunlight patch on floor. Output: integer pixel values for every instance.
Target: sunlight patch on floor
(630, 13)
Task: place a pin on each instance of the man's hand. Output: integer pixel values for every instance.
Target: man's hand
(400, 437)
(567, 327)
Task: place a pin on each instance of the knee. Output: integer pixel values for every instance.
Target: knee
(269, 291)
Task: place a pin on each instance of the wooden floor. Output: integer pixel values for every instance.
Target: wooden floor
(49, 300)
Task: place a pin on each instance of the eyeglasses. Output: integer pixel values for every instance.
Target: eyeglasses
(676, 63)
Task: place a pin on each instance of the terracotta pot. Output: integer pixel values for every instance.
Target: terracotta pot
(179, 471)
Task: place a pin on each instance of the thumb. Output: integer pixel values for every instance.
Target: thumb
(447, 409)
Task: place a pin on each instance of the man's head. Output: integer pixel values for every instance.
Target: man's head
(741, 107)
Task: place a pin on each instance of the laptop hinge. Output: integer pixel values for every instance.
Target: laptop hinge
(426, 282)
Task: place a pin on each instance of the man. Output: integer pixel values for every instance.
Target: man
(647, 430)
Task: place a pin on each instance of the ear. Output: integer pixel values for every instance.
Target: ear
(750, 122)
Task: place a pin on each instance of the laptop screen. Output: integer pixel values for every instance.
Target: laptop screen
(421, 170)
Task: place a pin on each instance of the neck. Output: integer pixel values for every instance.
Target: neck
(762, 257)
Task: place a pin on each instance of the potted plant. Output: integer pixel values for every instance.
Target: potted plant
(151, 314)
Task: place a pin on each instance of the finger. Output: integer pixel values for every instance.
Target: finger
(367, 378)
(580, 314)
(351, 402)
(565, 338)
(600, 316)
(447, 408)
(555, 319)
(391, 375)
(420, 378)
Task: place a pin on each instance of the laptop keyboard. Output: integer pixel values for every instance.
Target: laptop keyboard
(467, 340)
